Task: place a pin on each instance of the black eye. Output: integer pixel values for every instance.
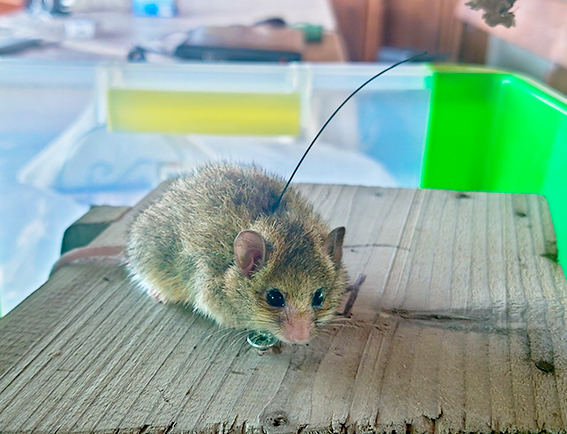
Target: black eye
(275, 298)
(318, 298)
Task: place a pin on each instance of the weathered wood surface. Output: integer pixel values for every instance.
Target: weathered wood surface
(459, 326)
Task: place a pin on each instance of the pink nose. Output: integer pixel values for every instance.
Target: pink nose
(297, 331)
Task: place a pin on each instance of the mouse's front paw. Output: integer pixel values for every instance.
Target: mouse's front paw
(157, 295)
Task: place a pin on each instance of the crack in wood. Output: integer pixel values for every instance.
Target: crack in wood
(233, 424)
(169, 427)
(551, 252)
(439, 316)
(362, 246)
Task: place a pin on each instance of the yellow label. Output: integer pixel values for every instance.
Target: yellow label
(203, 112)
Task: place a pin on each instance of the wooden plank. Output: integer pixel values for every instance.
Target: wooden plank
(501, 393)
(474, 44)
(414, 24)
(351, 17)
(374, 29)
(459, 326)
(448, 26)
(331, 48)
(556, 77)
(91, 225)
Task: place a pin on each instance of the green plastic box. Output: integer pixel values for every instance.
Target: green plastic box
(498, 132)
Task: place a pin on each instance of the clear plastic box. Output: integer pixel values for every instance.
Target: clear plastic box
(417, 126)
(151, 122)
(85, 154)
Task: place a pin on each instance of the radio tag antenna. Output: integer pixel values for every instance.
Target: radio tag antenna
(277, 204)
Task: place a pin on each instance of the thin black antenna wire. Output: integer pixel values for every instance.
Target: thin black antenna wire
(332, 116)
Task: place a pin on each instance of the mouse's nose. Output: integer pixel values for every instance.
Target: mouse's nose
(298, 330)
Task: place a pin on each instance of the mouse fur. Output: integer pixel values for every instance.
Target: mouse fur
(213, 241)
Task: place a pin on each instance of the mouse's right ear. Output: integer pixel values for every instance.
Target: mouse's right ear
(249, 252)
(334, 244)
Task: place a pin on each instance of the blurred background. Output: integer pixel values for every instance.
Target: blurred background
(101, 100)
(529, 37)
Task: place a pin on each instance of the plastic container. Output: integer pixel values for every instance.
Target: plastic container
(417, 126)
(498, 132)
(151, 122)
(202, 99)
(485, 131)
(39, 100)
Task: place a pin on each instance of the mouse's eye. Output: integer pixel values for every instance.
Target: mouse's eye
(275, 298)
(318, 298)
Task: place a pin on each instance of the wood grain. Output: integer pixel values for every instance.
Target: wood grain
(459, 326)
(421, 25)
(374, 30)
(352, 19)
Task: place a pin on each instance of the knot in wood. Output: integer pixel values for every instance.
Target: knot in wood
(275, 421)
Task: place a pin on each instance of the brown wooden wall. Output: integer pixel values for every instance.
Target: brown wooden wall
(10, 5)
(419, 24)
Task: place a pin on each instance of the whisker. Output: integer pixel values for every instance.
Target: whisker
(223, 337)
(324, 337)
(355, 326)
(239, 339)
(340, 320)
(216, 333)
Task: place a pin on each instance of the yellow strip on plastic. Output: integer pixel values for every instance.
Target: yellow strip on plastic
(203, 112)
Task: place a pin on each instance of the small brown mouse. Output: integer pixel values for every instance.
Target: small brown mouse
(229, 241)
(215, 242)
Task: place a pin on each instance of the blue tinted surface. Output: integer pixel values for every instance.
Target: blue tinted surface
(32, 221)
(392, 128)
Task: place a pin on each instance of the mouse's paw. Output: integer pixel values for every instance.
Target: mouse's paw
(276, 349)
(157, 295)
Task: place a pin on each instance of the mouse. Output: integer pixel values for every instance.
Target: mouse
(240, 246)
(213, 241)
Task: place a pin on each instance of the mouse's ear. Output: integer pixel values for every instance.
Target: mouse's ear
(334, 244)
(249, 252)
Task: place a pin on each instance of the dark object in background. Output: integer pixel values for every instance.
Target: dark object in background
(137, 55)
(275, 22)
(495, 11)
(51, 6)
(261, 43)
(311, 32)
(11, 44)
(392, 54)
